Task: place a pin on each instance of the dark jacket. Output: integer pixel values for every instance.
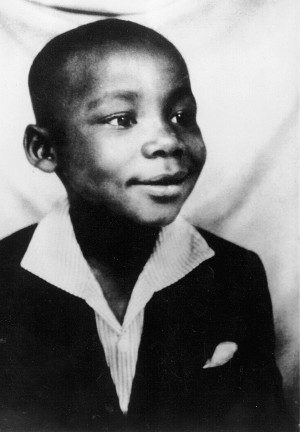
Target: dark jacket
(53, 373)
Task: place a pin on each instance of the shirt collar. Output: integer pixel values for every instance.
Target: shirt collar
(54, 255)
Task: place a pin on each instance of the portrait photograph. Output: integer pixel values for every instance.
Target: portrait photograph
(149, 223)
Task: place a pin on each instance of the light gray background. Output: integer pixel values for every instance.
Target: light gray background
(242, 56)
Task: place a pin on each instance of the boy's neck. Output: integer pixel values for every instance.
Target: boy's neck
(113, 240)
(116, 250)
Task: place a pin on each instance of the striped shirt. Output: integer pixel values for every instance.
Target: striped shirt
(55, 256)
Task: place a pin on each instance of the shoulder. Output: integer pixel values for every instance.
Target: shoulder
(239, 270)
(13, 278)
(221, 245)
(24, 293)
(230, 255)
(13, 247)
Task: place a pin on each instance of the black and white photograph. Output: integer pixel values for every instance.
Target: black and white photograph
(149, 216)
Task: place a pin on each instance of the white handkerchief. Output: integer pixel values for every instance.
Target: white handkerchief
(222, 354)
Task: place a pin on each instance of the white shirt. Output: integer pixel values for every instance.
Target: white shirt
(55, 256)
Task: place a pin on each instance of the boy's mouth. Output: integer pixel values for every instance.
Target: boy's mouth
(164, 179)
(164, 185)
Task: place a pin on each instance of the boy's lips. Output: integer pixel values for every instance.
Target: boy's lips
(163, 179)
(163, 185)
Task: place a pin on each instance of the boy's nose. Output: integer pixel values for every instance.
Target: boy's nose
(164, 143)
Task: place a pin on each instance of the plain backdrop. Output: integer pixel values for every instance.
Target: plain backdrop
(242, 56)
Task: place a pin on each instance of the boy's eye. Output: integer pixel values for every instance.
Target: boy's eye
(122, 120)
(184, 118)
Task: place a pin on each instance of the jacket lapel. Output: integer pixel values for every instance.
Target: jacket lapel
(176, 319)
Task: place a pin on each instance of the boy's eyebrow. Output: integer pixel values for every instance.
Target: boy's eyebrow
(124, 95)
(180, 93)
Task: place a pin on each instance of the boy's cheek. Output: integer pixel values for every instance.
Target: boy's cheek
(198, 153)
(194, 142)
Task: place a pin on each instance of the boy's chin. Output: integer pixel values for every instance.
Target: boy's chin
(152, 213)
(156, 219)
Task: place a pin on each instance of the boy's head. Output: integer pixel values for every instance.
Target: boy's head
(116, 119)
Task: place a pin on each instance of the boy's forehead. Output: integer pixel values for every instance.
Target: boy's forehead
(81, 69)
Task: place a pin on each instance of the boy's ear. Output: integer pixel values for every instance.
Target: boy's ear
(39, 148)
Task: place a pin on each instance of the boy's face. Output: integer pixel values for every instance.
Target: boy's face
(132, 143)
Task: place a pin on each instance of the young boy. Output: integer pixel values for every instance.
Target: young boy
(116, 313)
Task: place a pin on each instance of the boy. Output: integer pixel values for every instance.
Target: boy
(115, 312)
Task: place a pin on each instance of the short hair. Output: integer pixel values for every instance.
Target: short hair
(45, 80)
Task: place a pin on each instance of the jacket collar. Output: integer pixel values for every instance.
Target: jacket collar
(55, 256)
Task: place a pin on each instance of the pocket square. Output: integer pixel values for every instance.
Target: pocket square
(222, 354)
